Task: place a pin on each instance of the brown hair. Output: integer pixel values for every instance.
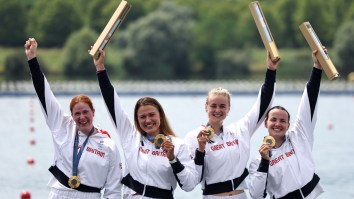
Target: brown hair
(164, 125)
(81, 98)
(280, 108)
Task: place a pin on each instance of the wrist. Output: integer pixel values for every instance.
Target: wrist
(100, 67)
(174, 160)
(30, 57)
(201, 150)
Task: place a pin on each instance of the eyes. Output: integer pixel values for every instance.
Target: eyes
(281, 120)
(84, 112)
(221, 106)
(144, 116)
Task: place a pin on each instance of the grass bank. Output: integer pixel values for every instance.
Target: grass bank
(294, 62)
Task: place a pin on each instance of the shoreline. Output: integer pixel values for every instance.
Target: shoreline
(173, 88)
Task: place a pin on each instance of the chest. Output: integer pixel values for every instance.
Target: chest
(149, 158)
(94, 152)
(223, 144)
(282, 157)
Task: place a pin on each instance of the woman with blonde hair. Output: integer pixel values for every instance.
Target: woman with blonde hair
(223, 151)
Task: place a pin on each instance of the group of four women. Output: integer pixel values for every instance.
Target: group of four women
(87, 162)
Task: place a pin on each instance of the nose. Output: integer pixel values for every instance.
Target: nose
(277, 123)
(81, 116)
(147, 119)
(218, 109)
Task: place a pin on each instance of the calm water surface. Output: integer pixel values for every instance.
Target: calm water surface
(22, 121)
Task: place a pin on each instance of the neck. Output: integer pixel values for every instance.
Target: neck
(91, 132)
(216, 127)
(279, 141)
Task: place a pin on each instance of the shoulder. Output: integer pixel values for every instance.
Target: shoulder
(177, 140)
(105, 138)
(104, 133)
(193, 133)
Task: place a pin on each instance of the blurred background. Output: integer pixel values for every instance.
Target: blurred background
(173, 39)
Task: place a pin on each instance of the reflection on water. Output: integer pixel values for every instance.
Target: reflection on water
(22, 121)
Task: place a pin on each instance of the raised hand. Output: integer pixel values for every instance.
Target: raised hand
(272, 65)
(31, 48)
(99, 61)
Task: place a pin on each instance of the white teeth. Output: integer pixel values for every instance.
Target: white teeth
(276, 129)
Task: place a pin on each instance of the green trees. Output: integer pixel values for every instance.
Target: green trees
(17, 66)
(179, 39)
(52, 22)
(77, 63)
(157, 46)
(316, 12)
(344, 48)
(13, 27)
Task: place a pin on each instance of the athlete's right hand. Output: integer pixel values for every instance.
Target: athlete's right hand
(202, 139)
(264, 150)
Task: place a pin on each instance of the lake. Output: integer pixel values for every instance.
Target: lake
(22, 122)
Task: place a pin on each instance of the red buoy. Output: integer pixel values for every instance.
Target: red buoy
(33, 142)
(30, 161)
(31, 129)
(330, 126)
(25, 195)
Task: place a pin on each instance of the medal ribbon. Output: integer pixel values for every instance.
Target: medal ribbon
(77, 156)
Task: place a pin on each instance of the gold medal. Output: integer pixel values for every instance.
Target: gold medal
(210, 132)
(159, 139)
(269, 139)
(74, 182)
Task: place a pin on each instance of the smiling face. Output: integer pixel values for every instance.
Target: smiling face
(149, 119)
(83, 116)
(277, 123)
(217, 108)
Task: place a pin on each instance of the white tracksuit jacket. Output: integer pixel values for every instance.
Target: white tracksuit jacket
(226, 158)
(146, 164)
(291, 166)
(99, 165)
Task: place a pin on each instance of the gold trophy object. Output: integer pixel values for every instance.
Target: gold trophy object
(159, 139)
(263, 30)
(322, 56)
(74, 182)
(269, 139)
(112, 25)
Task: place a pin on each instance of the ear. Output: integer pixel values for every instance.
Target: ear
(265, 123)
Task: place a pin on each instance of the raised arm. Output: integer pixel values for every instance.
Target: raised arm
(307, 113)
(121, 122)
(255, 116)
(50, 107)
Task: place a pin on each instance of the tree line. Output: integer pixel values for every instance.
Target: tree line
(176, 39)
